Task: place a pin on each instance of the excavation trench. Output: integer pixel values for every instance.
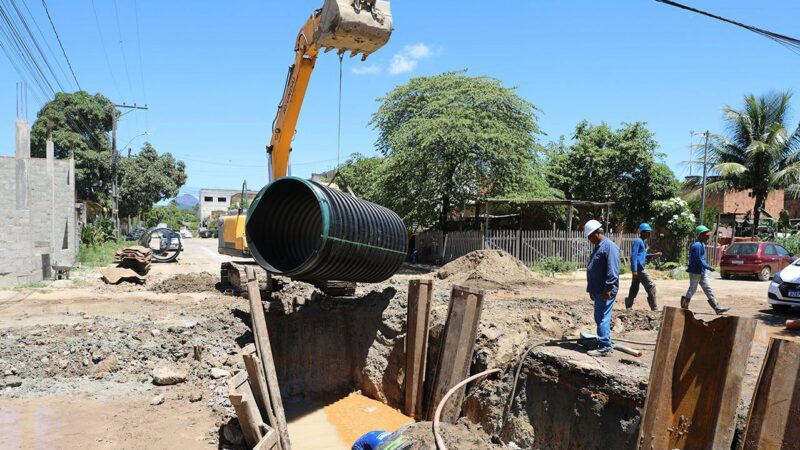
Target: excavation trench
(326, 348)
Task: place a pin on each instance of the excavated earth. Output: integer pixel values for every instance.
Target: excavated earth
(330, 347)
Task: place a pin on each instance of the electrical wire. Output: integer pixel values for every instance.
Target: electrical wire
(122, 49)
(141, 65)
(64, 52)
(103, 45)
(792, 44)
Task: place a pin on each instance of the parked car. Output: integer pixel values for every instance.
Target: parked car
(784, 291)
(135, 234)
(755, 258)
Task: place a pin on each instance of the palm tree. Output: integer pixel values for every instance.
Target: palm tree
(758, 152)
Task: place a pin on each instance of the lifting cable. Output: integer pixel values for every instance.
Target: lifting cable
(339, 122)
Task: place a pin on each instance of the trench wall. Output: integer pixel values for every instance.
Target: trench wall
(331, 347)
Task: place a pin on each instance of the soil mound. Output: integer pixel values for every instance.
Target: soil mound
(187, 282)
(491, 269)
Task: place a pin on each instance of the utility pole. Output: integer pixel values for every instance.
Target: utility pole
(114, 158)
(703, 188)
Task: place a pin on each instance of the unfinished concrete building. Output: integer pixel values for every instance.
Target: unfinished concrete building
(37, 198)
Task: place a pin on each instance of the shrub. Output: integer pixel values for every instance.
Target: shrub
(554, 264)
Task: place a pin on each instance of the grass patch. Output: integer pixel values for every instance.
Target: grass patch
(552, 265)
(100, 254)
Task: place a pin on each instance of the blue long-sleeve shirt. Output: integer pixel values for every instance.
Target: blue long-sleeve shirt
(602, 274)
(639, 255)
(697, 259)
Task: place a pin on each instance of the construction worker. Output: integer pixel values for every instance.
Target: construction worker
(697, 271)
(383, 440)
(602, 283)
(639, 258)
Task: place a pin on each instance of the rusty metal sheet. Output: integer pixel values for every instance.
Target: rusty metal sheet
(774, 420)
(695, 382)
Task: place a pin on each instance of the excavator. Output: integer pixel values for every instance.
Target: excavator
(355, 26)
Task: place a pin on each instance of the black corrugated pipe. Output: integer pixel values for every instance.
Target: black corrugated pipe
(302, 229)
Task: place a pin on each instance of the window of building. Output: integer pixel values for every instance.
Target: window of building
(208, 199)
(221, 199)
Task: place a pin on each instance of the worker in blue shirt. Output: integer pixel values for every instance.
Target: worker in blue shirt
(639, 258)
(602, 283)
(697, 271)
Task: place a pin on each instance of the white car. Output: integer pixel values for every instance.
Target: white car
(784, 290)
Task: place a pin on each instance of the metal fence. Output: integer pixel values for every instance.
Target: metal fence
(529, 246)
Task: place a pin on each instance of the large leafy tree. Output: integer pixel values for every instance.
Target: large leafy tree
(759, 151)
(78, 123)
(360, 174)
(146, 179)
(620, 165)
(450, 139)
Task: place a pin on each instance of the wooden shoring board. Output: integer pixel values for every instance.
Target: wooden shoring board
(258, 383)
(264, 350)
(241, 397)
(417, 323)
(695, 381)
(774, 423)
(455, 350)
(268, 442)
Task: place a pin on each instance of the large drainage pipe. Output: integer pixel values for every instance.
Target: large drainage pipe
(303, 229)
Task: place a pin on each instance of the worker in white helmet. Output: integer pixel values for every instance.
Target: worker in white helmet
(602, 283)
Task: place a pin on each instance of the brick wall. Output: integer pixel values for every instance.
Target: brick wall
(37, 200)
(742, 202)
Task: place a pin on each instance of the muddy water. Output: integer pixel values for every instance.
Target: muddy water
(336, 425)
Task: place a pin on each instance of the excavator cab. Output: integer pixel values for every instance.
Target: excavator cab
(355, 26)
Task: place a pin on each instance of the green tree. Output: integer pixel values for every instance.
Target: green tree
(146, 179)
(622, 165)
(758, 152)
(78, 124)
(674, 216)
(450, 139)
(360, 174)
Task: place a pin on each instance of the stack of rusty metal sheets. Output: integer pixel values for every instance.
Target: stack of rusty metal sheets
(137, 258)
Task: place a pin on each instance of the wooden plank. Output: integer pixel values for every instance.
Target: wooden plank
(455, 350)
(247, 413)
(695, 381)
(258, 384)
(773, 421)
(269, 441)
(417, 323)
(261, 337)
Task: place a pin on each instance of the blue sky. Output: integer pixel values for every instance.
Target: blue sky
(212, 73)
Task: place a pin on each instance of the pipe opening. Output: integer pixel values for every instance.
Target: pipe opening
(290, 223)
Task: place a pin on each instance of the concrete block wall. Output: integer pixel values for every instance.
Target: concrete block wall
(38, 226)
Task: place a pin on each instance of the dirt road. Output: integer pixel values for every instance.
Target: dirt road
(77, 358)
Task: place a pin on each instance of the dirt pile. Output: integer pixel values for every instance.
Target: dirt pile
(187, 282)
(489, 269)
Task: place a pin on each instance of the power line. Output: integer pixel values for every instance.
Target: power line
(64, 52)
(36, 43)
(141, 65)
(122, 49)
(105, 52)
(46, 41)
(793, 44)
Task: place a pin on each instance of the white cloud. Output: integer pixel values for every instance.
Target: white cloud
(406, 60)
(418, 51)
(372, 69)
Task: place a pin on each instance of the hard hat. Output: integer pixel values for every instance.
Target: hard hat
(645, 227)
(701, 229)
(591, 226)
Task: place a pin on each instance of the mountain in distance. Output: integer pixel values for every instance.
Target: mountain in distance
(186, 201)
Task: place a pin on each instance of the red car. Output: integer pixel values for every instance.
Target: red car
(755, 258)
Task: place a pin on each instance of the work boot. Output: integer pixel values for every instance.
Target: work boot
(600, 352)
(628, 303)
(721, 309)
(684, 303)
(716, 306)
(656, 309)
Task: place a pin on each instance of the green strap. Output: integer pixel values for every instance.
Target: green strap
(395, 443)
(361, 244)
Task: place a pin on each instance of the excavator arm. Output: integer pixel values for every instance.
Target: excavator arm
(357, 26)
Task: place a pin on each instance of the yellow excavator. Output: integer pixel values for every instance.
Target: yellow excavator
(355, 26)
